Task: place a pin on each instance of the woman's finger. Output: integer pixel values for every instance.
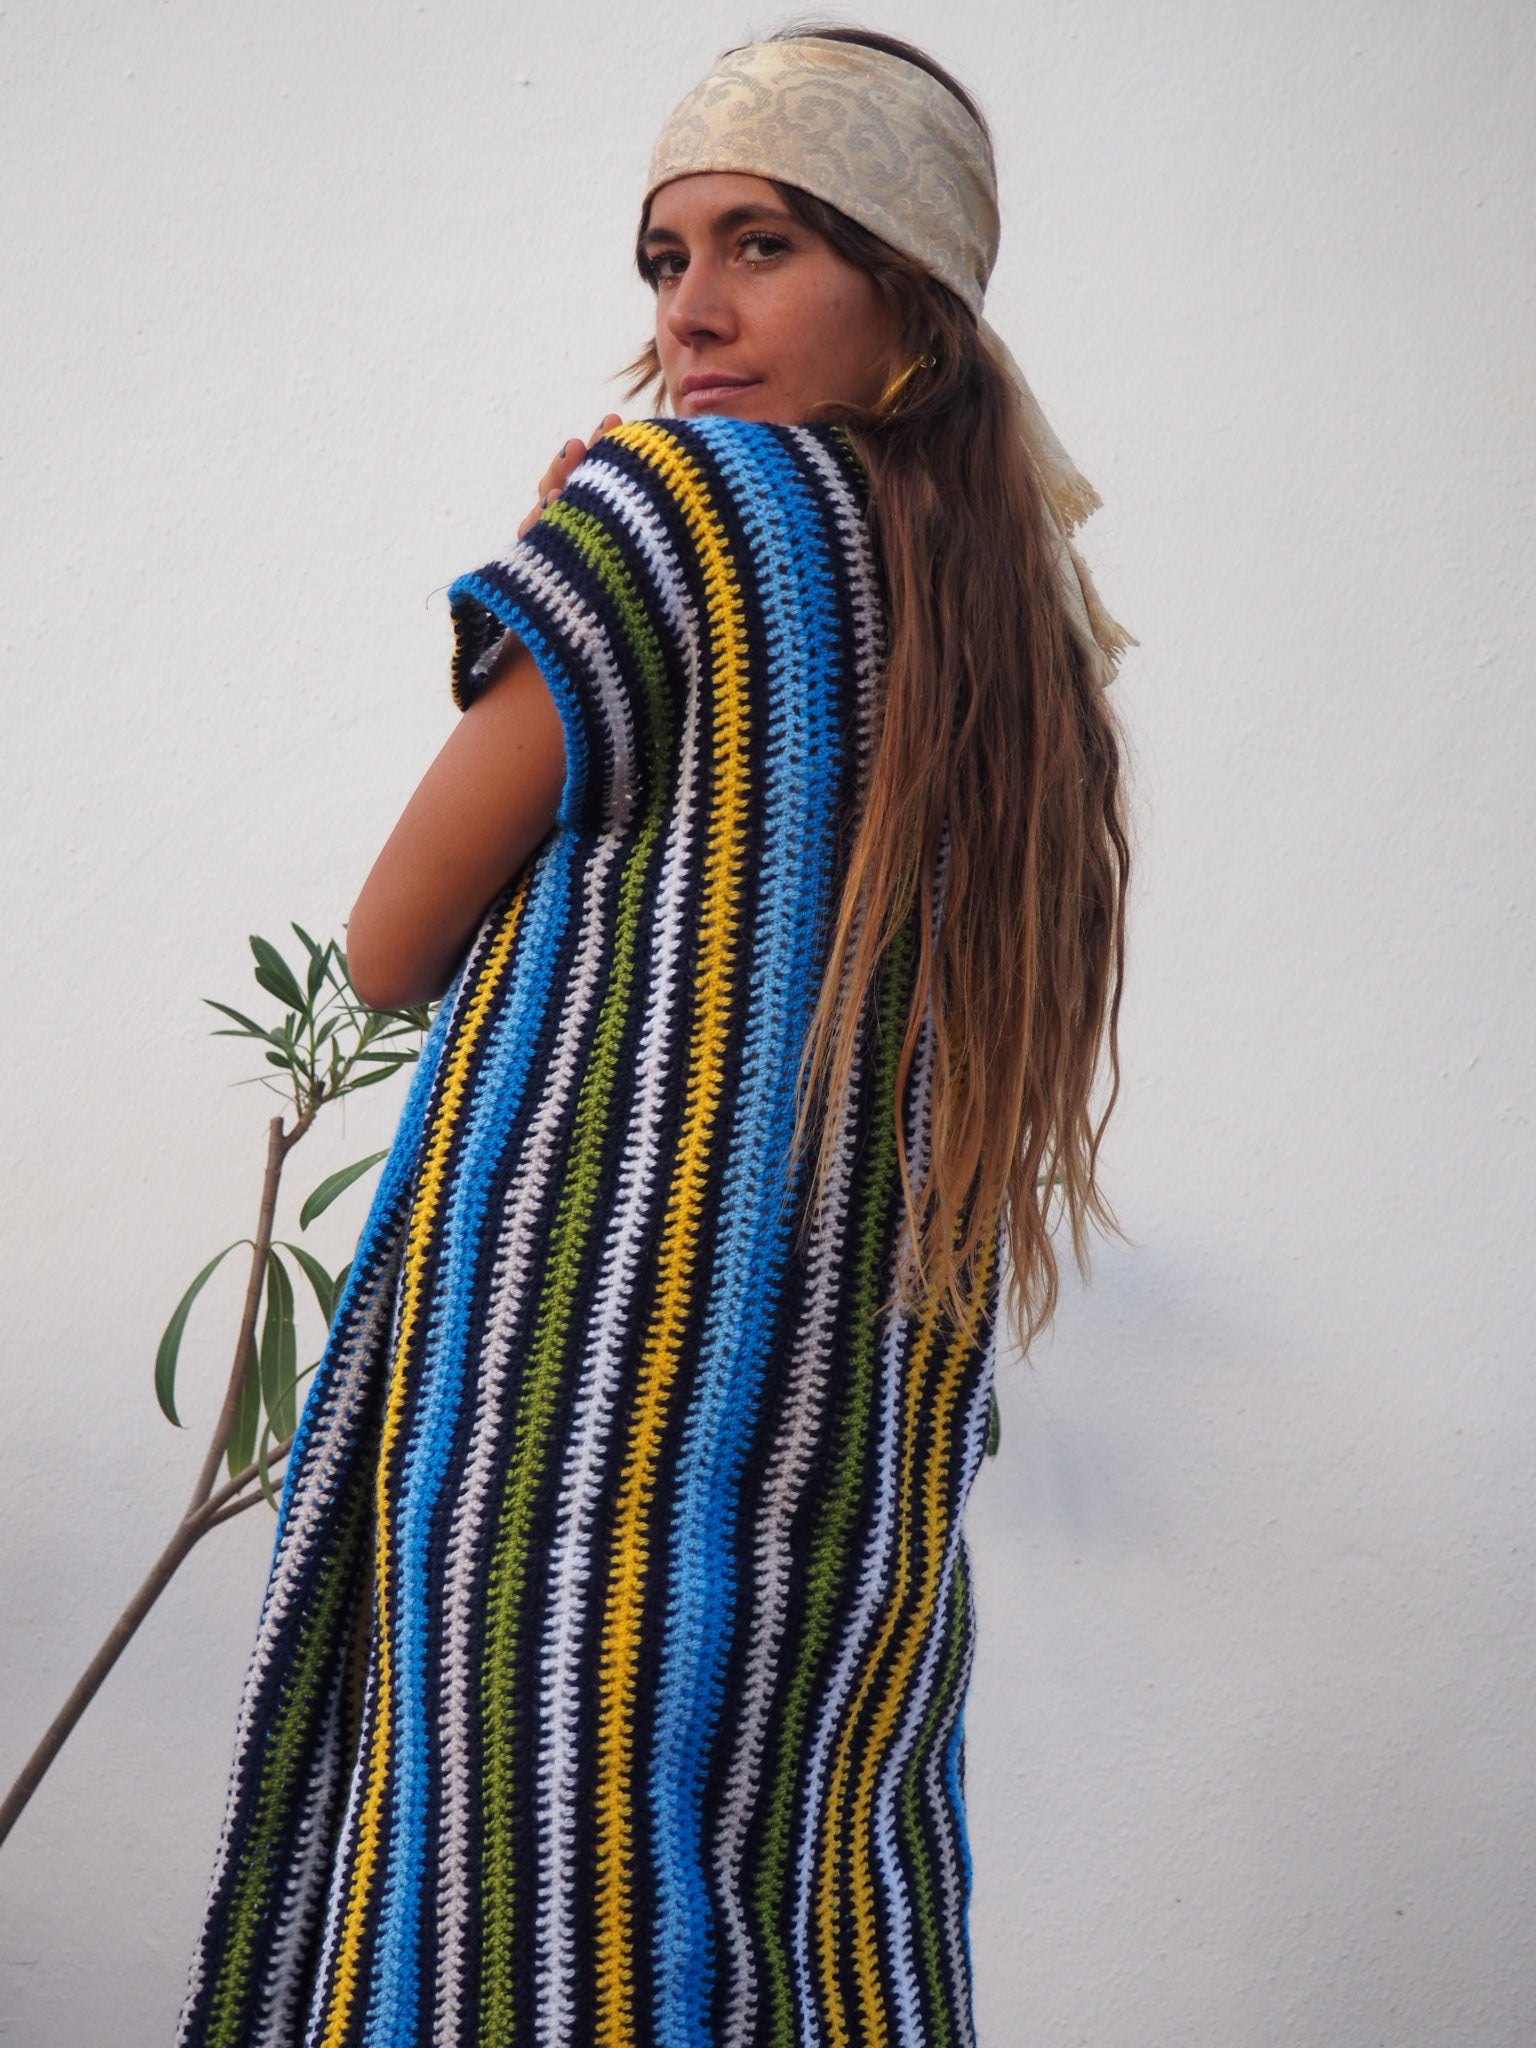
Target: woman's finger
(545, 498)
(570, 454)
(552, 482)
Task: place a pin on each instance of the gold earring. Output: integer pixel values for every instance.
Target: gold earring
(922, 362)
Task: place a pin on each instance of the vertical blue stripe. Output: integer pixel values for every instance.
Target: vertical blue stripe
(478, 1148)
(783, 534)
(953, 1763)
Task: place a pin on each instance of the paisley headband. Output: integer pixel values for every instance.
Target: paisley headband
(888, 145)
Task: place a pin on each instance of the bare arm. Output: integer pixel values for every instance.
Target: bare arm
(480, 810)
(485, 804)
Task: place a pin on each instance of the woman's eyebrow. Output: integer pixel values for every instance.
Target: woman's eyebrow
(722, 224)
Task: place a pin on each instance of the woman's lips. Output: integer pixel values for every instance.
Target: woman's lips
(701, 390)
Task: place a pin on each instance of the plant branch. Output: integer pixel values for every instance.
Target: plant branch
(295, 1045)
(279, 1145)
(193, 1526)
(221, 1496)
(231, 1508)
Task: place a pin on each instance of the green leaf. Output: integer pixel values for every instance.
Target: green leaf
(275, 975)
(319, 1279)
(170, 1343)
(242, 1438)
(335, 1184)
(278, 1345)
(316, 962)
(269, 1439)
(994, 1425)
(375, 1074)
(249, 1027)
(264, 1465)
(341, 1280)
(284, 1415)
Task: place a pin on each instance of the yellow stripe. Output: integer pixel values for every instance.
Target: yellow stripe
(624, 1606)
(828, 1879)
(851, 1832)
(418, 1239)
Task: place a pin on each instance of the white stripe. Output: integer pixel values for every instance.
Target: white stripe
(330, 1441)
(772, 1574)
(874, 1571)
(874, 1578)
(585, 636)
(329, 1446)
(516, 1255)
(486, 1368)
(632, 504)
(304, 1889)
(973, 1438)
(956, 1947)
(570, 1569)
(514, 1261)
(937, 1795)
(336, 1903)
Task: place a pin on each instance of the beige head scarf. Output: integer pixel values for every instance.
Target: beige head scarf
(889, 146)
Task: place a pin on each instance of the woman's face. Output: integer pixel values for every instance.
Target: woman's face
(756, 315)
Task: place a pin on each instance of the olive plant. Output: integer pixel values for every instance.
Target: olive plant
(326, 1046)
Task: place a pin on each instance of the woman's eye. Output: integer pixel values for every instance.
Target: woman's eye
(665, 266)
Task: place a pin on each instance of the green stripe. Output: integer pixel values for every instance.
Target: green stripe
(567, 1242)
(287, 1751)
(833, 1552)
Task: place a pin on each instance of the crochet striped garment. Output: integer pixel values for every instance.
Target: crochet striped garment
(608, 1683)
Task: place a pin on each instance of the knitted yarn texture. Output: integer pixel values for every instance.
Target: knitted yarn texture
(609, 1676)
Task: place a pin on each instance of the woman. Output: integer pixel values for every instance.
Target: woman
(609, 1678)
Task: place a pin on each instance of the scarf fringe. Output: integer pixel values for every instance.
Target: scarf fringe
(1075, 498)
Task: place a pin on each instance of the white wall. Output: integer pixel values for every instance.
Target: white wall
(297, 301)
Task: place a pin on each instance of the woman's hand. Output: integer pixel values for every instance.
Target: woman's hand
(552, 482)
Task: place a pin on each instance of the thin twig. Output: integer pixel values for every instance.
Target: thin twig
(86, 1686)
(279, 1145)
(204, 1511)
(228, 1512)
(211, 1505)
(223, 1494)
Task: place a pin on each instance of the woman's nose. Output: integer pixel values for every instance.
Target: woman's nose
(699, 305)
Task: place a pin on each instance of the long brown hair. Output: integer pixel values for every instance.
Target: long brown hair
(993, 726)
